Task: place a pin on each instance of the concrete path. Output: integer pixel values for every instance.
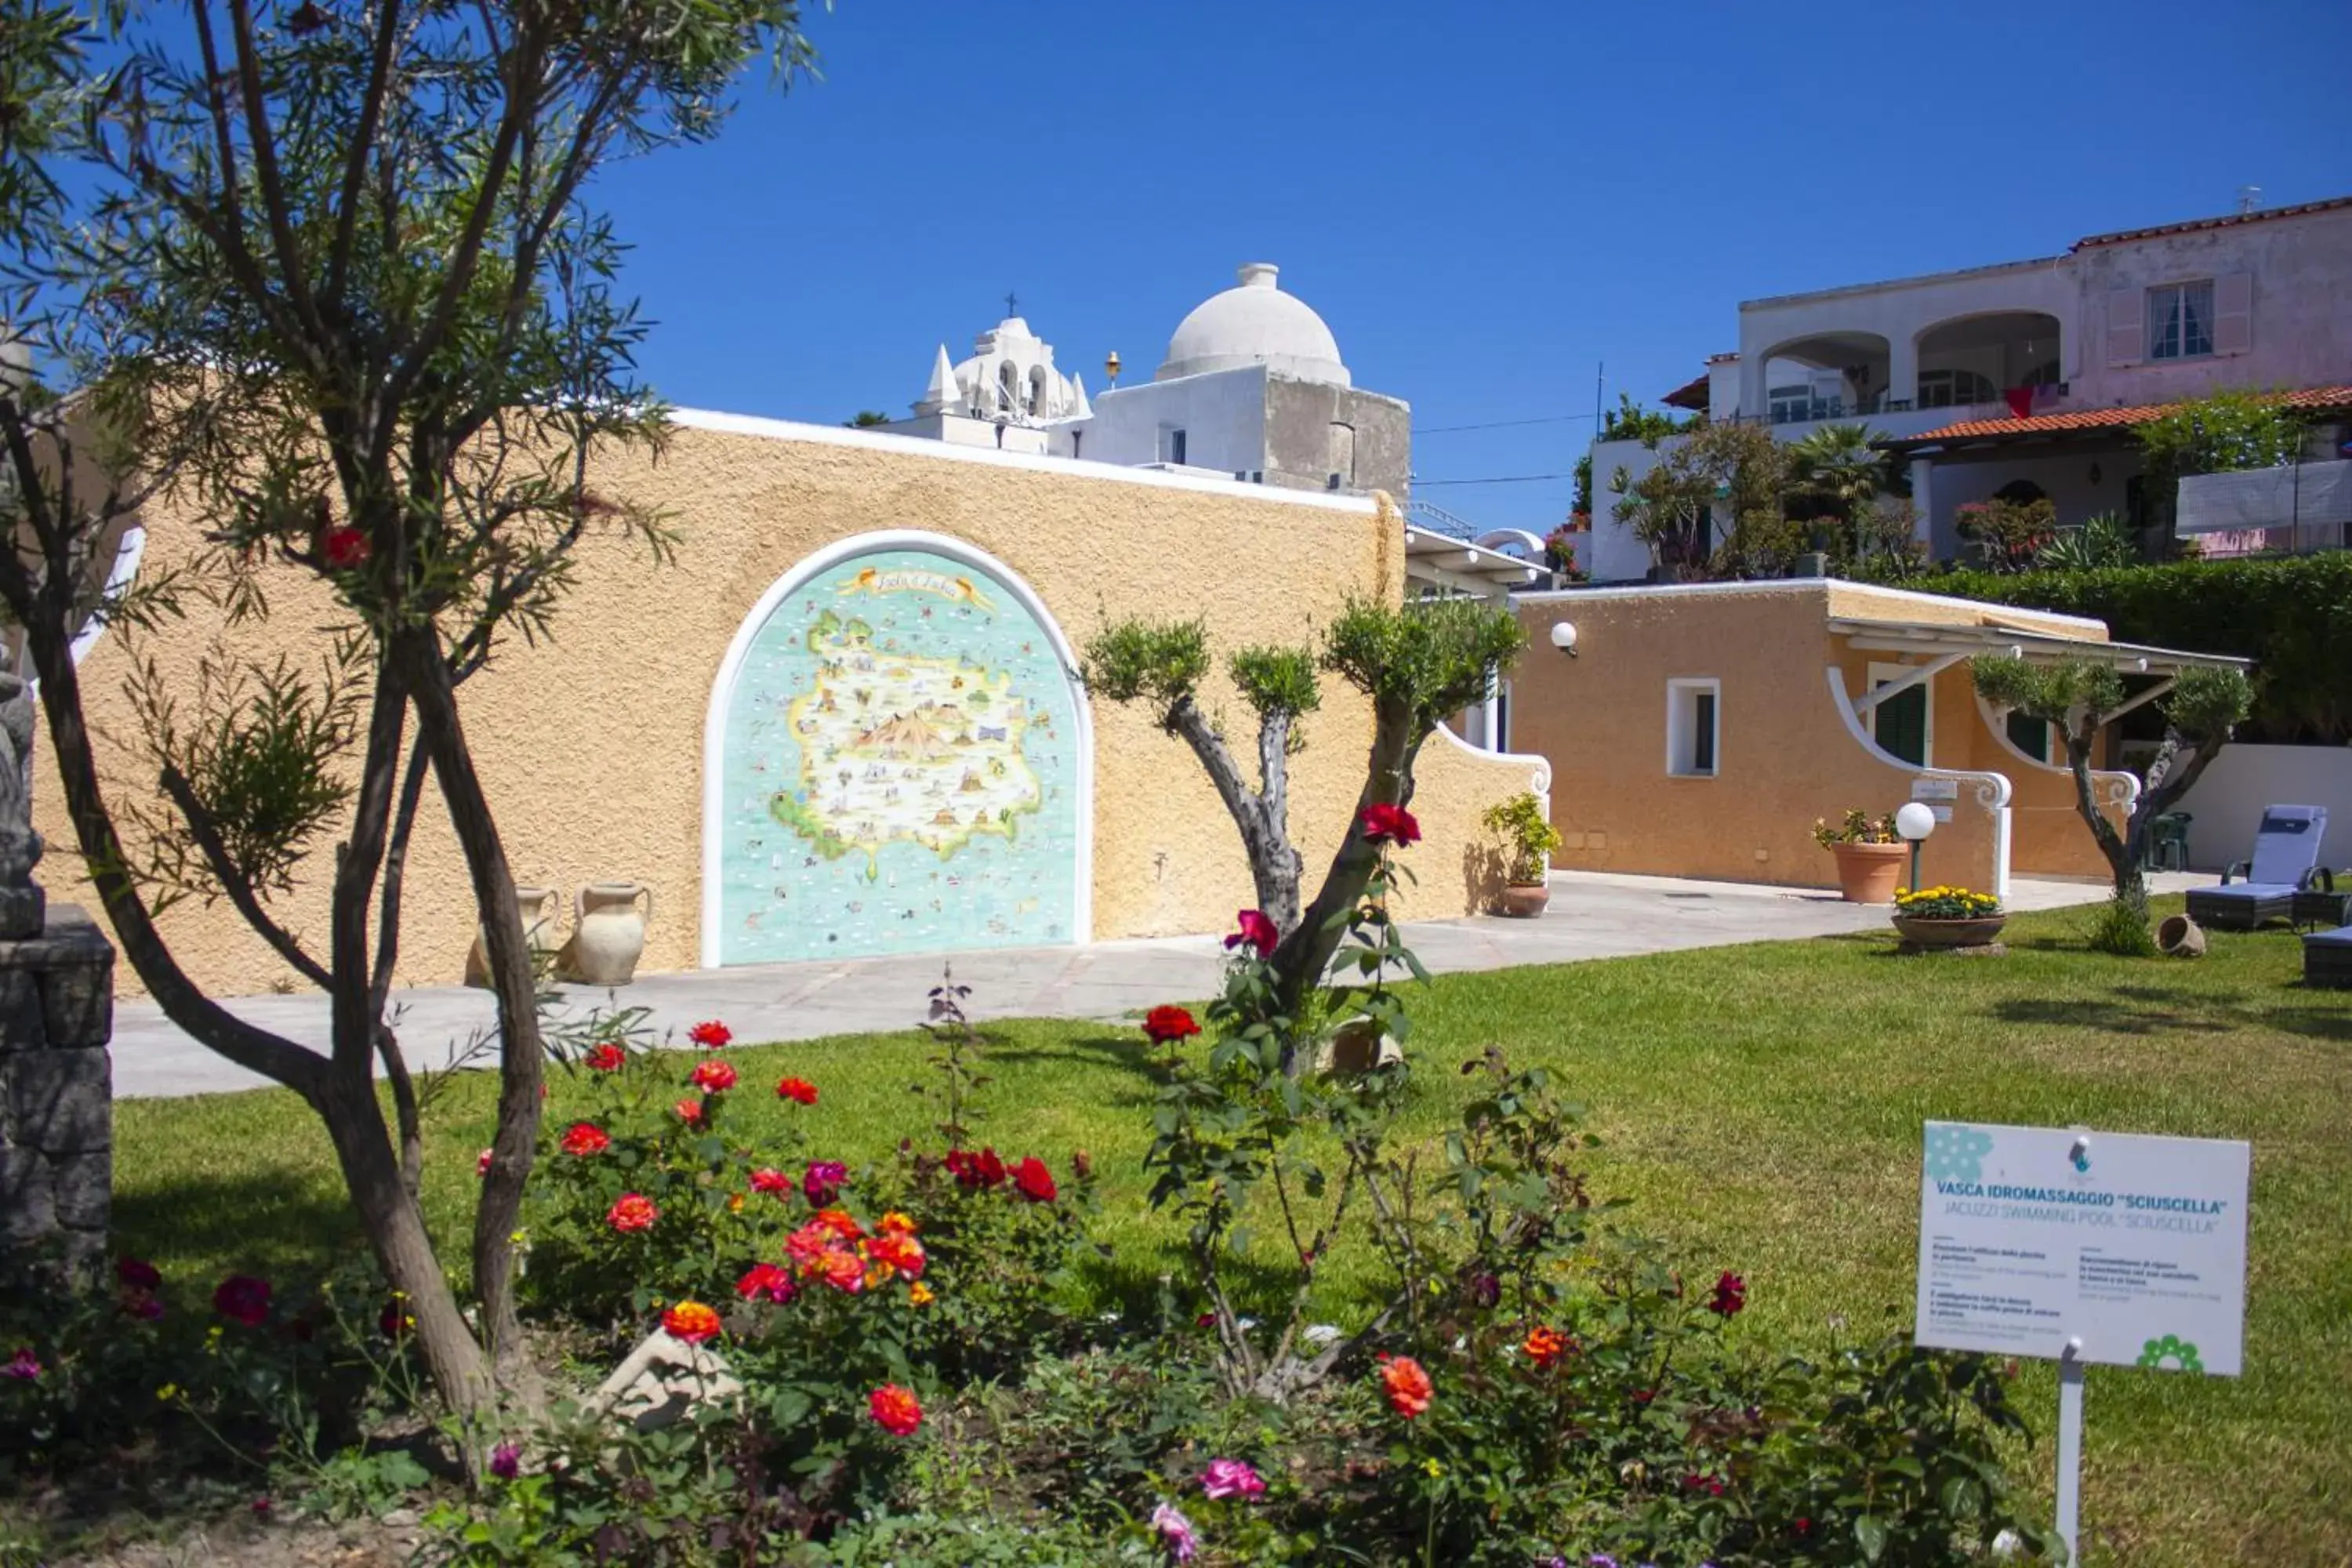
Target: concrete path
(1592, 915)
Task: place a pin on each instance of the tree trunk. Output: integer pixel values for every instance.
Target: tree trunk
(346, 1103)
(1261, 816)
(1306, 951)
(520, 1052)
(404, 1248)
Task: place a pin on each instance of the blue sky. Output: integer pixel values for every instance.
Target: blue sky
(1484, 199)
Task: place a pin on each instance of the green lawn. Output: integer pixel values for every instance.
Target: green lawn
(1733, 1088)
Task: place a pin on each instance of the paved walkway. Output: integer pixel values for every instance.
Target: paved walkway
(1592, 915)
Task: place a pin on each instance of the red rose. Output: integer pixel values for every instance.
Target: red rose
(1389, 825)
(766, 1281)
(242, 1298)
(714, 1077)
(689, 1111)
(711, 1034)
(768, 1179)
(894, 1410)
(585, 1138)
(797, 1089)
(136, 1274)
(632, 1211)
(347, 548)
(1166, 1025)
(1730, 1296)
(1036, 1182)
(1257, 930)
(482, 1164)
(981, 1169)
(606, 1057)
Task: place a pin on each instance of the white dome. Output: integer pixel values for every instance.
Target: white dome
(1254, 323)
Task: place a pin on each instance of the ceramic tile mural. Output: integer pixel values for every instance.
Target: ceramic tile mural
(901, 770)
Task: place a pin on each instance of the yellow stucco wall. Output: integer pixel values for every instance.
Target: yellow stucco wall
(591, 743)
(1786, 756)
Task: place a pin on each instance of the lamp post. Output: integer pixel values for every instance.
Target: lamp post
(1913, 822)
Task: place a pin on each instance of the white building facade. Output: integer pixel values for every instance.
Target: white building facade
(2023, 378)
(1253, 388)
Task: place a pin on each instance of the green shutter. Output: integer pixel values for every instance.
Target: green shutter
(1902, 725)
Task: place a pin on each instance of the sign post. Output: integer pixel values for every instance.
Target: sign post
(2078, 1247)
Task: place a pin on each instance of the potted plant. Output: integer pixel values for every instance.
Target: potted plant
(1528, 838)
(1947, 917)
(1869, 855)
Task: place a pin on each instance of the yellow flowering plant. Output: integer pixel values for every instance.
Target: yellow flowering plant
(1945, 904)
(1857, 827)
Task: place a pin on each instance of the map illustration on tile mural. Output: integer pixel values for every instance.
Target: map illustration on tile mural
(901, 769)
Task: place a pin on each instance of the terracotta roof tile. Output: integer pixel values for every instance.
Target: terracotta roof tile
(2228, 220)
(1692, 394)
(2101, 419)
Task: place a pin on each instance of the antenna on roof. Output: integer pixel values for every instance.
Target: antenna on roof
(2249, 199)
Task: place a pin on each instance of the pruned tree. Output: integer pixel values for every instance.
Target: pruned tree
(1418, 663)
(1163, 664)
(334, 289)
(2078, 696)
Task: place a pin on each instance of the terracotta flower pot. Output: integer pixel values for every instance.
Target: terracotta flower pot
(1526, 901)
(1923, 932)
(1867, 873)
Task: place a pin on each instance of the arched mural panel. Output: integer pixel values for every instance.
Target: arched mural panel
(901, 767)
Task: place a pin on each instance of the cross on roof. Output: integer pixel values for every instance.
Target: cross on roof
(1012, 305)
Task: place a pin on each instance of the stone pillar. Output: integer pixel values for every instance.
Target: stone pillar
(56, 1090)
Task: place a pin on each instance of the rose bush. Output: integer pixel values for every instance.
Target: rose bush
(1513, 1375)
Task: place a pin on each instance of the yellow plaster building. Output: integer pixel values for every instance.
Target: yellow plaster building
(1700, 731)
(846, 718)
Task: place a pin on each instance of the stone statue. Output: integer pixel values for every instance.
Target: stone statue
(20, 847)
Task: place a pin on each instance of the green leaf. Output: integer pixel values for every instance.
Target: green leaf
(1870, 1531)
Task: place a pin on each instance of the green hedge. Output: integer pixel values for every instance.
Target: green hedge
(2292, 615)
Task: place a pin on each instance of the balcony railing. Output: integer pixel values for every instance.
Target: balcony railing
(2048, 398)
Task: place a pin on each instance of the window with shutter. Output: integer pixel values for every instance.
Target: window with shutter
(1904, 726)
(2180, 320)
(2233, 314)
(2126, 322)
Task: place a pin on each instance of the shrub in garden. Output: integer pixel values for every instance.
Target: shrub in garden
(839, 1297)
(241, 1382)
(1511, 1376)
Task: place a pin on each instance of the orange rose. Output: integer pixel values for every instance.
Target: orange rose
(1408, 1386)
(632, 1211)
(1545, 1344)
(691, 1321)
(894, 1410)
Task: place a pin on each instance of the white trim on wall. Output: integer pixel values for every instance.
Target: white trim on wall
(722, 691)
(1817, 585)
(1072, 468)
(128, 552)
(1993, 791)
(1679, 731)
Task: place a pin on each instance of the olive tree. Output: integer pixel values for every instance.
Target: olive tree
(2078, 696)
(1417, 663)
(1162, 663)
(325, 276)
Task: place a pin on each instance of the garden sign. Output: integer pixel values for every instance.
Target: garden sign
(2080, 1247)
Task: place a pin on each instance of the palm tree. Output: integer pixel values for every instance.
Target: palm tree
(1837, 465)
